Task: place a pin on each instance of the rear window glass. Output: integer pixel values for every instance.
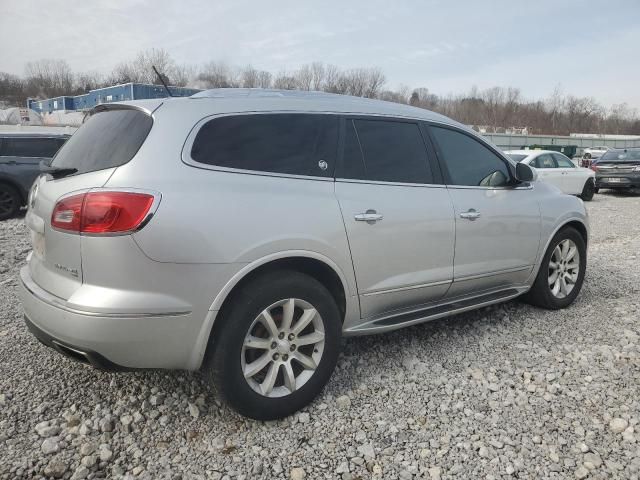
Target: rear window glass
(621, 156)
(296, 144)
(30, 147)
(108, 139)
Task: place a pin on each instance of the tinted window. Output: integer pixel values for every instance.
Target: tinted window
(108, 139)
(353, 161)
(563, 162)
(298, 144)
(468, 161)
(621, 155)
(392, 151)
(30, 147)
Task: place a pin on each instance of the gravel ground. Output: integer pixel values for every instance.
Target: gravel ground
(507, 391)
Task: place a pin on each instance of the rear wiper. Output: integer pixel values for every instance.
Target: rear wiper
(58, 172)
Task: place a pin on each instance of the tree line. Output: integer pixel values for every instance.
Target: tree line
(494, 109)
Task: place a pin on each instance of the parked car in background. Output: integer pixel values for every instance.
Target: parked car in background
(618, 169)
(559, 170)
(590, 154)
(244, 232)
(20, 157)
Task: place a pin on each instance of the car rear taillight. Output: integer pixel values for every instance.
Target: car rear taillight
(594, 167)
(102, 212)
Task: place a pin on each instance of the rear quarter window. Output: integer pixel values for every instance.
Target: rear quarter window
(296, 144)
(108, 139)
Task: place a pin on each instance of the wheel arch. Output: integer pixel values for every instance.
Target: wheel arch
(17, 186)
(575, 223)
(316, 265)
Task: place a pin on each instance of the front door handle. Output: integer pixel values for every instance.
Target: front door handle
(470, 214)
(370, 216)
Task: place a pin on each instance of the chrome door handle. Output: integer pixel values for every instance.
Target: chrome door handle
(370, 216)
(470, 214)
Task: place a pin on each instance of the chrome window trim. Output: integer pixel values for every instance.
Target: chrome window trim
(188, 145)
(525, 186)
(393, 184)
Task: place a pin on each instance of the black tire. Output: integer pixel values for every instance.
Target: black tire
(10, 201)
(224, 365)
(588, 191)
(596, 190)
(540, 294)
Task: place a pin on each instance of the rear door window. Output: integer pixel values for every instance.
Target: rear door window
(30, 147)
(562, 161)
(545, 161)
(108, 139)
(286, 143)
(385, 151)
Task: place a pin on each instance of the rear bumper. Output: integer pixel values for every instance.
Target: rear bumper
(116, 341)
(622, 182)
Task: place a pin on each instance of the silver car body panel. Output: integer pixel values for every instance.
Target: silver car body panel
(151, 298)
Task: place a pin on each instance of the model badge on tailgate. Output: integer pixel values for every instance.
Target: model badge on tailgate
(71, 271)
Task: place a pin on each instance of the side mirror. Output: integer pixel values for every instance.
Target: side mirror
(525, 173)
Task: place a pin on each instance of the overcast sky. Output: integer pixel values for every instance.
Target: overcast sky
(589, 48)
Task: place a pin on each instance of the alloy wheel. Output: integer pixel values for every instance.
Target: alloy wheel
(564, 268)
(283, 348)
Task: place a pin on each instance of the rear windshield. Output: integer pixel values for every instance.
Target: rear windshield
(30, 147)
(517, 157)
(108, 139)
(621, 156)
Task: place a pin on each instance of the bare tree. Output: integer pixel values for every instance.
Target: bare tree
(12, 90)
(318, 74)
(285, 81)
(216, 75)
(496, 108)
(48, 78)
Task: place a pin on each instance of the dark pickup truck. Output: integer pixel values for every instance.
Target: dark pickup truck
(20, 157)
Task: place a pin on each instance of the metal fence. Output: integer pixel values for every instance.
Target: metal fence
(506, 141)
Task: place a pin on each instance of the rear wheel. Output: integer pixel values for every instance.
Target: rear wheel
(561, 273)
(9, 201)
(276, 346)
(588, 191)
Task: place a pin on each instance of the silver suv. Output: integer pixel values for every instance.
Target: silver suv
(244, 232)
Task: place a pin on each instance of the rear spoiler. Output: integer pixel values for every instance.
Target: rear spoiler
(124, 106)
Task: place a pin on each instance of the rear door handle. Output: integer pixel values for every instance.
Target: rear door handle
(370, 216)
(470, 214)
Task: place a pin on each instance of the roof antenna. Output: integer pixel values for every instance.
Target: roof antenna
(161, 80)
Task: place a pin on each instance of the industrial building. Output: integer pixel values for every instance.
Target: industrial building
(116, 93)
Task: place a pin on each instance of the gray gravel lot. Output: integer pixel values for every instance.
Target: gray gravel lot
(507, 391)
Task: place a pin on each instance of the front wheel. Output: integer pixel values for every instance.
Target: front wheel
(276, 346)
(561, 273)
(588, 191)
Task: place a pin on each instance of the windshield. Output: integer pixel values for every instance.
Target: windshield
(621, 156)
(517, 157)
(108, 139)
